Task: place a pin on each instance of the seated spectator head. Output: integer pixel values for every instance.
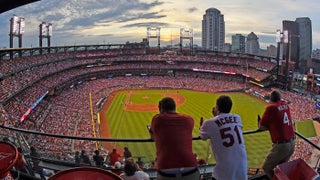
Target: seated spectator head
(224, 104)
(130, 167)
(201, 161)
(96, 152)
(117, 165)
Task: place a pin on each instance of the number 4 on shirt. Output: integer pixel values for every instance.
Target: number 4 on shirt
(286, 120)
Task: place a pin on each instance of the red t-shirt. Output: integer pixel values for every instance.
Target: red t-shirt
(114, 157)
(277, 119)
(172, 133)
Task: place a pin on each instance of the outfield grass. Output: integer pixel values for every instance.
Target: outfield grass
(306, 128)
(128, 124)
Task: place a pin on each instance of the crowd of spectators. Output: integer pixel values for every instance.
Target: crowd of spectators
(19, 73)
(304, 150)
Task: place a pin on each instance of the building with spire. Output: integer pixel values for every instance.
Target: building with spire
(252, 44)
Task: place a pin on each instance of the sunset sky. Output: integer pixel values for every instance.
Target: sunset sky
(77, 22)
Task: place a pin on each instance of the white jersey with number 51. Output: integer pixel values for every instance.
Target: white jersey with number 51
(227, 143)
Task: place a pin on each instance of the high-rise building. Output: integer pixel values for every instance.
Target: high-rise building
(238, 43)
(272, 51)
(213, 30)
(291, 50)
(305, 41)
(252, 44)
(227, 47)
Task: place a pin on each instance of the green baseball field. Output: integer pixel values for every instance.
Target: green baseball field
(129, 112)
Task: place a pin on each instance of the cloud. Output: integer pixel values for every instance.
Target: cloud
(193, 9)
(147, 24)
(140, 17)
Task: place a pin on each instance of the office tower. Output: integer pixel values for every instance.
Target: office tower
(305, 41)
(238, 43)
(227, 47)
(213, 30)
(291, 49)
(252, 44)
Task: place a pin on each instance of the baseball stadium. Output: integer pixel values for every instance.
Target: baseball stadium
(68, 99)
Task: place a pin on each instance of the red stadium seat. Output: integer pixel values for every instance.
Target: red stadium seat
(8, 157)
(85, 173)
(296, 169)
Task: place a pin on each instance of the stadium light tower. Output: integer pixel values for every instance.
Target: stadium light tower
(186, 34)
(45, 31)
(17, 26)
(281, 39)
(153, 32)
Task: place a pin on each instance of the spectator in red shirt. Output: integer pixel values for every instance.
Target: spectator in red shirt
(277, 120)
(114, 157)
(172, 133)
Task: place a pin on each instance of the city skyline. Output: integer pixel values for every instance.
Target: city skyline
(108, 21)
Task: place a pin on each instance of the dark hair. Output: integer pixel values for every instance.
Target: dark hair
(167, 104)
(130, 167)
(275, 96)
(224, 104)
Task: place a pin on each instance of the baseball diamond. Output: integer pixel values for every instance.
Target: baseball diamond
(127, 113)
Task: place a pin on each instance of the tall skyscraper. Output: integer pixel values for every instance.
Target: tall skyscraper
(252, 44)
(213, 30)
(291, 51)
(305, 41)
(238, 43)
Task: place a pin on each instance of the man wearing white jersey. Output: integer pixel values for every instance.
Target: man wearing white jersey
(227, 142)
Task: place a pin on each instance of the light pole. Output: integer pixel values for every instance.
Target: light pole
(281, 38)
(289, 47)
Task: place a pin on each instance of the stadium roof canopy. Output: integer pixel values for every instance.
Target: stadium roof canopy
(6, 5)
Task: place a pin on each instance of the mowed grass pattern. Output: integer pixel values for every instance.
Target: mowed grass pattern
(129, 124)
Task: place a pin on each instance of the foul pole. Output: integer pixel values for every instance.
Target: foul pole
(92, 120)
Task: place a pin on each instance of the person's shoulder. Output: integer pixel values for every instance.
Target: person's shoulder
(209, 121)
(142, 174)
(156, 116)
(271, 106)
(237, 116)
(185, 116)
